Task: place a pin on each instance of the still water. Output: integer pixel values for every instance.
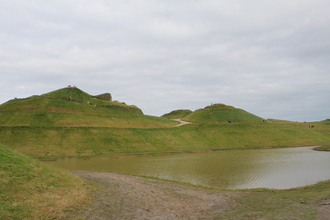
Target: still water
(232, 169)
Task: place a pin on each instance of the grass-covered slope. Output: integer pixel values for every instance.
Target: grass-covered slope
(176, 114)
(73, 107)
(220, 113)
(57, 141)
(30, 189)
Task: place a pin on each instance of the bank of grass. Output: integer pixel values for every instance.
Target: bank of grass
(60, 119)
(323, 148)
(66, 141)
(298, 203)
(30, 189)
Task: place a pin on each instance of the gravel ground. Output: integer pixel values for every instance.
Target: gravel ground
(129, 197)
(119, 196)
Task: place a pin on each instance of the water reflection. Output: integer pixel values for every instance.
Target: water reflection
(232, 169)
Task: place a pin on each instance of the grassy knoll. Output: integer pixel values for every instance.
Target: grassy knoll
(30, 189)
(49, 112)
(220, 113)
(176, 114)
(51, 141)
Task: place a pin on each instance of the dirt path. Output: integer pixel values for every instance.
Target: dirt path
(129, 197)
(181, 122)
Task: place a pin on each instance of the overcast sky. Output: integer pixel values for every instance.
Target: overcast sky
(268, 57)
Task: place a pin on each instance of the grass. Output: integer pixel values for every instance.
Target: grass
(323, 148)
(298, 203)
(30, 189)
(177, 114)
(220, 113)
(65, 141)
(49, 112)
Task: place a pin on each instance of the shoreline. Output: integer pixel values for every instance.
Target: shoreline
(121, 196)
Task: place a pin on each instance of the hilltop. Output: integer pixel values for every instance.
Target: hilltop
(73, 107)
(176, 114)
(215, 114)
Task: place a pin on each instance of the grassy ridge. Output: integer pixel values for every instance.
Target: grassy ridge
(51, 141)
(30, 189)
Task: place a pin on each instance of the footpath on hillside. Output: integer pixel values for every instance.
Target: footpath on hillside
(181, 122)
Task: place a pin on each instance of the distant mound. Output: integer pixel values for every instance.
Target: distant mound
(69, 94)
(104, 96)
(34, 190)
(221, 113)
(327, 121)
(176, 114)
(75, 108)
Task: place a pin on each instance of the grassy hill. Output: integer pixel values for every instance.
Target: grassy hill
(30, 189)
(220, 113)
(176, 114)
(64, 123)
(75, 108)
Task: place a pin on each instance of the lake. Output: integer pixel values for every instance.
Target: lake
(230, 169)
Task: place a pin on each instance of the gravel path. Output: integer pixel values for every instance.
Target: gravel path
(181, 122)
(129, 197)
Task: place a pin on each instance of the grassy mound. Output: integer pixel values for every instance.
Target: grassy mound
(30, 189)
(55, 109)
(176, 114)
(220, 113)
(326, 121)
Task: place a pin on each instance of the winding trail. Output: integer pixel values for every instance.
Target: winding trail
(181, 122)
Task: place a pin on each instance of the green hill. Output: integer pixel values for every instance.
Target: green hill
(176, 114)
(30, 189)
(64, 123)
(220, 113)
(75, 108)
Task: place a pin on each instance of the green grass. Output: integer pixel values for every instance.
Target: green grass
(30, 189)
(84, 103)
(42, 111)
(56, 141)
(298, 203)
(323, 148)
(176, 114)
(220, 113)
(52, 126)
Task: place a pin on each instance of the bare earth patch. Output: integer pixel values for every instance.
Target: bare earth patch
(119, 196)
(129, 197)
